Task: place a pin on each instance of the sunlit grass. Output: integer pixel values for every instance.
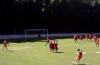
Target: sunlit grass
(36, 53)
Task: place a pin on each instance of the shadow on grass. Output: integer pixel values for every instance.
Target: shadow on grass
(10, 51)
(83, 64)
(30, 40)
(58, 52)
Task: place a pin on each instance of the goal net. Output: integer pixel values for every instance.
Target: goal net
(36, 32)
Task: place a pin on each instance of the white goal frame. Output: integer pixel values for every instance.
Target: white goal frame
(26, 30)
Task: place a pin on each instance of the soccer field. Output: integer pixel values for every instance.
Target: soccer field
(36, 53)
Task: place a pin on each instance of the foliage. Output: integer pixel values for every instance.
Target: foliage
(72, 14)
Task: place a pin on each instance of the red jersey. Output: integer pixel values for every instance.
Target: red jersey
(93, 36)
(5, 42)
(97, 39)
(86, 36)
(50, 44)
(55, 45)
(80, 53)
(47, 40)
(80, 37)
(75, 37)
(89, 36)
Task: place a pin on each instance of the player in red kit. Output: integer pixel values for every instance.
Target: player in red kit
(93, 36)
(81, 38)
(79, 56)
(5, 44)
(97, 41)
(90, 38)
(55, 46)
(47, 41)
(75, 38)
(86, 37)
(50, 46)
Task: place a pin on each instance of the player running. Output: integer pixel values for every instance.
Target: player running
(47, 41)
(97, 41)
(81, 38)
(75, 38)
(79, 56)
(5, 45)
(86, 37)
(90, 38)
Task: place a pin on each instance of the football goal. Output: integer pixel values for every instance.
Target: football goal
(35, 32)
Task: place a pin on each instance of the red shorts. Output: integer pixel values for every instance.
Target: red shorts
(97, 42)
(4, 45)
(78, 57)
(81, 39)
(50, 47)
(75, 38)
(47, 41)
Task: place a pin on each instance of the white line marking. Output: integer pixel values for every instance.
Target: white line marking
(98, 52)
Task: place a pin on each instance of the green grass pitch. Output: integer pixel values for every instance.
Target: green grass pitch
(36, 53)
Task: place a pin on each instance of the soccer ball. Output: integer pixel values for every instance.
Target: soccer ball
(72, 62)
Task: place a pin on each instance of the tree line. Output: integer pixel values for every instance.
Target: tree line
(55, 15)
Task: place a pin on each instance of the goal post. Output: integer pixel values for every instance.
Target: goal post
(34, 30)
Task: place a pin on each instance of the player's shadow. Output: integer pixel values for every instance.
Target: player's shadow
(10, 51)
(58, 52)
(82, 64)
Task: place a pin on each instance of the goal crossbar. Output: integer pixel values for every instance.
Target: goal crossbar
(35, 30)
